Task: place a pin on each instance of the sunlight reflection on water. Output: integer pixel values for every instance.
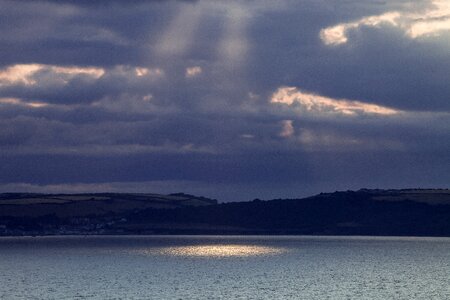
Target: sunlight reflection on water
(217, 250)
(237, 267)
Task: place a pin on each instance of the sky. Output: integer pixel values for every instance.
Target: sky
(232, 100)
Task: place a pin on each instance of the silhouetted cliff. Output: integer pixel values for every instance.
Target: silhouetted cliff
(364, 212)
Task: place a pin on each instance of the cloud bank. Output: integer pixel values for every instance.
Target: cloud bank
(230, 100)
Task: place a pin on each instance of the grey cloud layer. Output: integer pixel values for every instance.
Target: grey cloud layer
(113, 93)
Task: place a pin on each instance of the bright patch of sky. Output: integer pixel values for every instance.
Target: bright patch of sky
(434, 21)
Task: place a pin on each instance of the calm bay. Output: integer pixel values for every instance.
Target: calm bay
(224, 267)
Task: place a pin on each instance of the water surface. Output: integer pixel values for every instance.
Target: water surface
(231, 267)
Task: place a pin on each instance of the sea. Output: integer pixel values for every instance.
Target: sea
(224, 267)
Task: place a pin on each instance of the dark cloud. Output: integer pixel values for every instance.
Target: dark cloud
(111, 104)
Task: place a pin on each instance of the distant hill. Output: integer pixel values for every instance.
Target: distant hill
(29, 205)
(412, 212)
(429, 196)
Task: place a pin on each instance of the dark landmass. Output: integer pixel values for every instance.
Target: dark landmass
(411, 212)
